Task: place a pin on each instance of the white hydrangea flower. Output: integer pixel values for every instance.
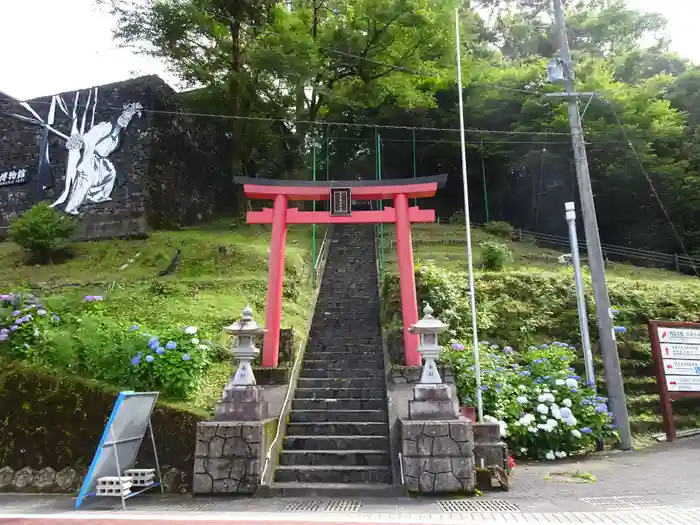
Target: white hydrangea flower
(550, 398)
(194, 341)
(571, 421)
(522, 387)
(560, 382)
(566, 402)
(565, 413)
(504, 428)
(191, 330)
(552, 422)
(523, 450)
(546, 389)
(571, 383)
(560, 455)
(542, 409)
(542, 398)
(490, 419)
(522, 400)
(532, 429)
(549, 455)
(556, 414)
(543, 417)
(576, 433)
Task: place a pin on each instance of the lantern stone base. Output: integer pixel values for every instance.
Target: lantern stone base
(242, 404)
(488, 446)
(229, 456)
(438, 456)
(432, 402)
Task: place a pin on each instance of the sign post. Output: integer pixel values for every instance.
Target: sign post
(675, 348)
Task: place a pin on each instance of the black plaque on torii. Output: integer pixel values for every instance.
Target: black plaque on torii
(341, 202)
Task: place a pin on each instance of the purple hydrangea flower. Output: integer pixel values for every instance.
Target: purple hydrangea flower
(93, 298)
(160, 350)
(13, 328)
(16, 313)
(585, 430)
(4, 336)
(134, 328)
(136, 359)
(149, 358)
(55, 318)
(457, 346)
(6, 297)
(171, 345)
(524, 373)
(186, 357)
(508, 350)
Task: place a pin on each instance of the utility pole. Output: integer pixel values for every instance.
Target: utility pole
(606, 333)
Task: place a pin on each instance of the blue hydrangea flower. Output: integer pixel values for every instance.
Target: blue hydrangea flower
(160, 350)
(136, 359)
(13, 328)
(508, 350)
(134, 328)
(186, 357)
(55, 318)
(4, 336)
(585, 430)
(16, 313)
(149, 358)
(524, 373)
(171, 345)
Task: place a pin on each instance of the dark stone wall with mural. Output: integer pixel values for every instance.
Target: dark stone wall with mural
(169, 169)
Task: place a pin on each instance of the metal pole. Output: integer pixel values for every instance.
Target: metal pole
(472, 295)
(313, 226)
(381, 207)
(580, 297)
(483, 176)
(415, 171)
(155, 455)
(606, 334)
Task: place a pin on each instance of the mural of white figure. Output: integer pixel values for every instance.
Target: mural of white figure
(90, 175)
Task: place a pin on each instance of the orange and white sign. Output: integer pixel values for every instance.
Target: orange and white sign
(683, 383)
(686, 336)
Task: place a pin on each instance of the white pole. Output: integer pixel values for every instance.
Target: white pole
(472, 295)
(580, 298)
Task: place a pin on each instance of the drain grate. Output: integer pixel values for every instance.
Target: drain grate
(192, 505)
(343, 505)
(477, 505)
(622, 502)
(303, 505)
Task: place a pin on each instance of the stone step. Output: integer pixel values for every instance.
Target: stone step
(357, 382)
(338, 416)
(344, 373)
(340, 393)
(333, 490)
(340, 458)
(340, 345)
(339, 404)
(342, 360)
(330, 474)
(374, 359)
(336, 443)
(338, 429)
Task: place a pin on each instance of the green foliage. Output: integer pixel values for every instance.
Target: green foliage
(55, 420)
(494, 255)
(83, 342)
(543, 409)
(42, 231)
(458, 217)
(499, 228)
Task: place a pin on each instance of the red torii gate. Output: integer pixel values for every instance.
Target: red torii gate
(341, 194)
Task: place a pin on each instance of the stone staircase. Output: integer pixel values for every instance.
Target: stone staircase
(338, 431)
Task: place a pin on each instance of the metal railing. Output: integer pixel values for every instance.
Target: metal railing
(318, 269)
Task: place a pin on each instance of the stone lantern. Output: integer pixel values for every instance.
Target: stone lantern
(432, 399)
(244, 333)
(242, 399)
(428, 330)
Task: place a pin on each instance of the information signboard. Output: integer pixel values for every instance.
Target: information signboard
(341, 202)
(676, 351)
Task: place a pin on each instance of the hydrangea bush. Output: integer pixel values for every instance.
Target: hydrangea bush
(544, 409)
(172, 362)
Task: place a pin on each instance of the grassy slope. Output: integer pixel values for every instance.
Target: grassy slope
(223, 267)
(445, 245)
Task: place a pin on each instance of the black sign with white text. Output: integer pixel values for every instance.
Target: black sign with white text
(341, 202)
(12, 177)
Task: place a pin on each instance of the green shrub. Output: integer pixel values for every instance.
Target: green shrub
(84, 342)
(541, 405)
(500, 228)
(42, 231)
(458, 217)
(494, 255)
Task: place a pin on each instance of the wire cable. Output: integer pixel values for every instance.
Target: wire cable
(651, 185)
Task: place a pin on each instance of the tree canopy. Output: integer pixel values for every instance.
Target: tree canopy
(330, 79)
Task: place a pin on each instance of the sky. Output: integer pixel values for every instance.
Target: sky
(52, 46)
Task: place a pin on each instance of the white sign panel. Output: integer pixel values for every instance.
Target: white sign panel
(681, 367)
(683, 383)
(679, 351)
(687, 336)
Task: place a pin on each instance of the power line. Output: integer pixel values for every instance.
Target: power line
(651, 185)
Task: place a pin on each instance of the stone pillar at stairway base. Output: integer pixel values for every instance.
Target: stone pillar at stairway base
(438, 456)
(488, 445)
(242, 403)
(229, 456)
(432, 402)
